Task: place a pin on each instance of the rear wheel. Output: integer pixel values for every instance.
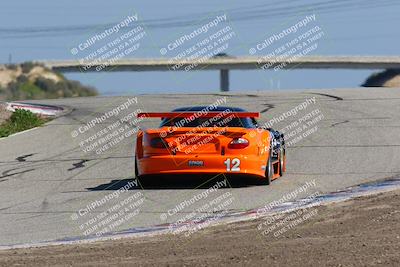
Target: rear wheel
(136, 169)
(269, 171)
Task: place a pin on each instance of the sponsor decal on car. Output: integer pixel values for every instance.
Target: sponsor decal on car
(196, 163)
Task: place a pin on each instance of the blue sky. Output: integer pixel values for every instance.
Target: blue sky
(48, 29)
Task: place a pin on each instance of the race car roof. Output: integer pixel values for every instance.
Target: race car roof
(190, 111)
(245, 119)
(218, 108)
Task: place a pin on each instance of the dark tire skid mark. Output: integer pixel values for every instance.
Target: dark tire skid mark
(23, 158)
(80, 164)
(340, 122)
(337, 98)
(268, 107)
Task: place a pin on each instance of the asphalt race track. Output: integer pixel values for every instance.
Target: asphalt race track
(46, 178)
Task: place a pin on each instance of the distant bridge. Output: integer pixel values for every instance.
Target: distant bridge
(226, 63)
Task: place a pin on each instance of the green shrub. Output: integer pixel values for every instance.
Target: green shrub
(64, 88)
(27, 66)
(30, 91)
(12, 66)
(20, 120)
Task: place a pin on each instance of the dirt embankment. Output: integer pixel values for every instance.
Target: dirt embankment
(4, 114)
(386, 78)
(361, 232)
(34, 81)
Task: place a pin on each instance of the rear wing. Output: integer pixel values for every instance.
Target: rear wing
(197, 114)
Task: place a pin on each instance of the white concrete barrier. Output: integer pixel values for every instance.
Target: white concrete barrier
(46, 110)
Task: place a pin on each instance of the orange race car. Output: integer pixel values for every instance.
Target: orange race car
(210, 140)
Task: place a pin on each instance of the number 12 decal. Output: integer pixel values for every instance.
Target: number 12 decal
(232, 165)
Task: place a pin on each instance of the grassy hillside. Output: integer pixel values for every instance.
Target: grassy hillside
(33, 81)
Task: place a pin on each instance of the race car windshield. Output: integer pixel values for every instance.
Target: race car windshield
(209, 122)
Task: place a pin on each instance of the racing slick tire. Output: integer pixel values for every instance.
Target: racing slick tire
(269, 172)
(282, 159)
(137, 176)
